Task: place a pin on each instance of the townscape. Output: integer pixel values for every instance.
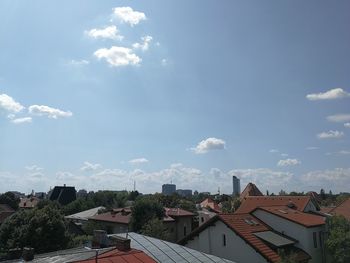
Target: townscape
(65, 225)
(174, 131)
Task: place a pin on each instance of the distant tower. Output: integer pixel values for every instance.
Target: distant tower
(236, 186)
(168, 189)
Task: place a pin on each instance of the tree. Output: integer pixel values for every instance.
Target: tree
(282, 192)
(338, 242)
(10, 199)
(287, 256)
(143, 211)
(155, 228)
(43, 229)
(322, 194)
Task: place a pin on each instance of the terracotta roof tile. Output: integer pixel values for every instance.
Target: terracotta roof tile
(211, 204)
(301, 218)
(238, 223)
(342, 209)
(252, 202)
(116, 256)
(174, 212)
(250, 190)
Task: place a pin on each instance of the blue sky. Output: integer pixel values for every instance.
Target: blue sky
(99, 94)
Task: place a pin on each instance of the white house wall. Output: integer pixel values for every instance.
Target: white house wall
(210, 241)
(303, 234)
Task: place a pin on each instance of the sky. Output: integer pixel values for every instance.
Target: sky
(102, 94)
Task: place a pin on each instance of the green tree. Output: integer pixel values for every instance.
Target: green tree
(287, 256)
(43, 229)
(155, 228)
(143, 211)
(9, 199)
(338, 241)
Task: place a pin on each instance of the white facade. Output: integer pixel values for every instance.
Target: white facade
(219, 240)
(304, 235)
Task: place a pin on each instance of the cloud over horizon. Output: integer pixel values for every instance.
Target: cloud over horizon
(332, 94)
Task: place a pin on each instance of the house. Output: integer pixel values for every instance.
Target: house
(343, 209)
(177, 221)
(5, 212)
(211, 205)
(261, 226)
(308, 229)
(300, 203)
(116, 220)
(250, 190)
(63, 194)
(28, 202)
(239, 237)
(83, 217)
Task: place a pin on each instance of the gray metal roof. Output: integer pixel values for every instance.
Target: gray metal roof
(64, 256)
(167, 252)
(84, 215)
(274, 238)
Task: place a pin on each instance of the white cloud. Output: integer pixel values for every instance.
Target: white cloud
(127, 15)
(42, 110)
(164, 62)
(330, 135)
(34, 168)
(81, 62)
(344, 152)
(339, 118)
(109, 32)
(311, 148)
(144, 45)
(22, 120)
(334, 179)
(284, 154)
(288, 162)
(118, 56)
(273, 151)
(87, 166)
(9, 104)
(347, 125)
(209, 145)
(138, 161)
(329, 95)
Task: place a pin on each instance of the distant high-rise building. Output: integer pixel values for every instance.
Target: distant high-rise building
(236, 186)
(168, 189)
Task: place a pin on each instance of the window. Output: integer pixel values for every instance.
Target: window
(224, 240)
(202, 218)
(185, 230)
(314, 235)
(320, 238)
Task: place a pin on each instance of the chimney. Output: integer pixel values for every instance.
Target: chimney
(121, 243)
(100, 239)
(28, 254)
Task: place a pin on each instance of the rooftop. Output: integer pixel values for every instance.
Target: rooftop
(211, 204)
(85, 215)
(342, 209)
(250, 190)
(250, 203)
(301, 218)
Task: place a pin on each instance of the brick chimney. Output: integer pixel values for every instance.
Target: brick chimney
(121, 243)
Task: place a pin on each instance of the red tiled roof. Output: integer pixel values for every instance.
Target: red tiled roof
(250, 190)
(211, 204)
(113, 217)
(174, 212)
(244, 225)
(237, 222)
(116, 256)
(250, 203)
(301, 218)
(342, 209)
